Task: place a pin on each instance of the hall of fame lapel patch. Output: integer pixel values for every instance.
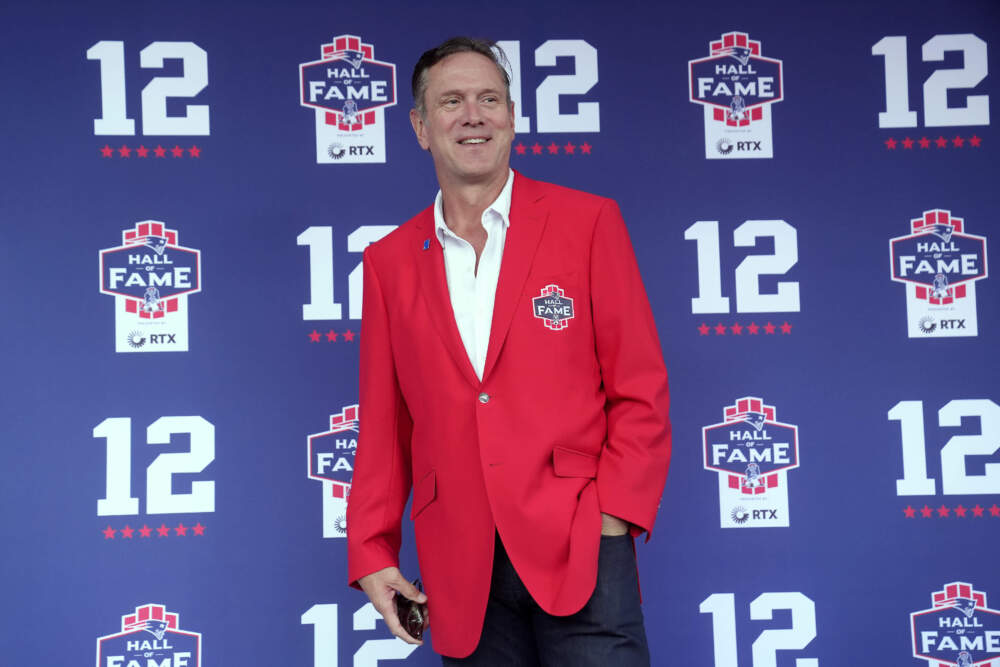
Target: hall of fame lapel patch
(553, 307)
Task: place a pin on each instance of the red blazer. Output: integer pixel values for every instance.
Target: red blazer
(570, 420)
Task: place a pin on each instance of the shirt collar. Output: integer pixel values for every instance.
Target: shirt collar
(501, 206)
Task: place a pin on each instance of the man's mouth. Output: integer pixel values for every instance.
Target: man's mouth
(474, 140)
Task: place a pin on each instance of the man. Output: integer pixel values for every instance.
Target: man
(511, 374)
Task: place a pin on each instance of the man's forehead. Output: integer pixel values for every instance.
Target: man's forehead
(466, 68)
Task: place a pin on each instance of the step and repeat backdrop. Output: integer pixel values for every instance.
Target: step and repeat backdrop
(188, 187)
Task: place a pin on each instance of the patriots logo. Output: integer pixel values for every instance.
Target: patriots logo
(943, 231)
(156, 628)
(157, 243)
(755, 419)
(355, 58)
(964, 659)
(965, 605)
(740, 53)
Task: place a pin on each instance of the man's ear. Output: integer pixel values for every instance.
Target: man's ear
(417, 121)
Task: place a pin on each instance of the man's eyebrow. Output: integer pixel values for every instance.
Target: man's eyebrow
(460, 93)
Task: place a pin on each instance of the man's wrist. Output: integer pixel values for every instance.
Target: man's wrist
(612, 525)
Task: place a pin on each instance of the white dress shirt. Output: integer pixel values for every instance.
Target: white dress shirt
(473, 292)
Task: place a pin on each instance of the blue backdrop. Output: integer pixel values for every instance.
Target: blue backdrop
(182, 221)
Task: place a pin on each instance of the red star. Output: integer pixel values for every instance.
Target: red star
(907, 143)
(314, 336)
(926, 511)
(145, 531)
(769, 328)
(958, 141)
(127, 532)
(331, 335)
(348, 335)
(975, 141)
(125, 151)
(569, 147)
(977, 510)
(720, 329)
(960, 511)
(520, 148)
(163, 531)
(786, 328)
(109, 533)
(181, 530)
(177, 151)
(995, 511)
(737, 329)
(943, 511)
(553, 148)
(142, 151)
(909, 512)
(753, 328)
(194, 151)
(941, 142)
(160, 151)
(107, 151)
(585, 147)
(704, 329)
(925, 142)
(890, 143)
(536, 149)
(198, 529)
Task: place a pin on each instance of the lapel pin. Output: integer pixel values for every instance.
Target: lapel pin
(427, 244)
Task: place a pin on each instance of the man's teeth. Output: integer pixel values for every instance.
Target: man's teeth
(472, 141)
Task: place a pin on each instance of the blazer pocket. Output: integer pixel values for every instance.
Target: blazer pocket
(424, 492)
(572, 463)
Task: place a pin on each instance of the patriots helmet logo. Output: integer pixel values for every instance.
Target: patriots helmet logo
(943, 231)
(755, 419)
(156, 628)
(965, 605)
(355, 58)
(156, 243)
(740, 53)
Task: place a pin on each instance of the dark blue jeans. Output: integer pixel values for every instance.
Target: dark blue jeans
(607, 631)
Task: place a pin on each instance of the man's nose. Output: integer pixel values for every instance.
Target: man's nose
(471, 114)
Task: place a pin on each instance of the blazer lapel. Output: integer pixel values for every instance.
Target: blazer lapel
(527, 222)
(434, 288)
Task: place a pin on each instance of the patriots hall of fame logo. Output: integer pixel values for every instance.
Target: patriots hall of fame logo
(150, 636)
(349, 91)
(736, 85)
(553, 307)
(751, 453)
(331, 461)
(940, 262)
(958, 630)
(150, 275)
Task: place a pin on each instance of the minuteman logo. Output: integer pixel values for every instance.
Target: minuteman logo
(751, 452)
(941, 264)
(331, 461)
(737, 86)
(150, 275)
(349, 91)
(959, 630)
(150, 636)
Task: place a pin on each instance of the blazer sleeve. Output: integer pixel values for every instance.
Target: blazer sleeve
(633, 465)
(381, 480)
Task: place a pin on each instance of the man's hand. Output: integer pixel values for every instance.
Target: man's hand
(612, 525)
(381, 588)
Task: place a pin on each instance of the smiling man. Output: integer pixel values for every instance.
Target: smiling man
(512, 377)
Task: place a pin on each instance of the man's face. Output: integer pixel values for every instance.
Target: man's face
(467, 125)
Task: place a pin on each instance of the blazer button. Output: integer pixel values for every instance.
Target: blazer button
(484, 398)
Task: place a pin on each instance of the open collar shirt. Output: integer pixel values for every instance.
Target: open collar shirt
(472, 292)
